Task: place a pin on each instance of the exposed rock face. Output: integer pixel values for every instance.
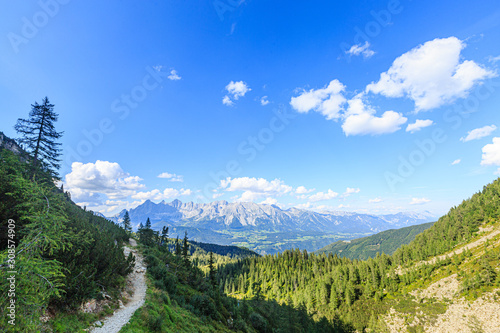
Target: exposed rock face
(10, 144)
(220, 215)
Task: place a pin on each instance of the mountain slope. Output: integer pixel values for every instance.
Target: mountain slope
(367, 247)
(446, 280)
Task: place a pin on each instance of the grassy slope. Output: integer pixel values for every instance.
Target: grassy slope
(367, 247)
(160, 314)
(451, 298)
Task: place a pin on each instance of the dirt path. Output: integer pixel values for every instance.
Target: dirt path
(456, 251)
(137, 282)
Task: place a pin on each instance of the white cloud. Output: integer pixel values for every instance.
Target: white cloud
(493, 59)
(455, 162)
(322, 196)
(361, 120)
(173, 75)
(104, 187)
(491, 153)
(479, 133)
(264, 101)
(269, 201)
(100, 178)
(156, 195)
(361, 49)
(236, 90)
(419, 201)
(306, 205)
(171, 177)
(328, 101)
(431, 74)
(350, 191)
(216, 195)
(255, 188)
(418, 125)
(227, 101)
(376, 200)
(341, 206)
(303, 190)
(366, 123)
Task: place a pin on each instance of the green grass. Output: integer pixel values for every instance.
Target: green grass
(160, 314)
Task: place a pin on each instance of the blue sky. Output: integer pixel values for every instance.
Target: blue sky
(368, 106)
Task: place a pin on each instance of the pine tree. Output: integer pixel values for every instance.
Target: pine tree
(39, 137)
(146, 234)
(185, 250)
(127, 225)
(177, 247)
(164, 236)
(211, 270)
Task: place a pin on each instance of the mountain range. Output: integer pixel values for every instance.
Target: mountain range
(247, 216)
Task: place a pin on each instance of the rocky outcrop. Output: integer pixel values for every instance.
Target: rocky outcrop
(10, 144)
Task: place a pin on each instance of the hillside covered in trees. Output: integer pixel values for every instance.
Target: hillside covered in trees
(360, 292)
(55, 254)
(367, 247)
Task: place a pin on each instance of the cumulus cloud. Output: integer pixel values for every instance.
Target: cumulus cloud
(104, 187)
(102, 177)
(431, 74)
(419, 201)
(173, 75)
(418, 125)
(171, 177)
(479, 133)
(491, 153)
(350, 191)
(255, 188)
(306, 205)
(227, 101)
(303, 190)
(269, 201)
(376, 200)
(264, 101)
(235, 90)
(455, 162)
(360, 119)
(361, 49)
(328, 101)
(322, 196)
(156, 195)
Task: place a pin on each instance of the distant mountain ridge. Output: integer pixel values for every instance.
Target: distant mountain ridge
(386, 242)
(222, 215)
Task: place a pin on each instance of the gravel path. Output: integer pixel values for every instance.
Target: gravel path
(137, 279)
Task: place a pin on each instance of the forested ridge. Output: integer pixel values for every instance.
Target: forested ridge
(359, 291)
(64, 255)
(56, 254)
(384, 242)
